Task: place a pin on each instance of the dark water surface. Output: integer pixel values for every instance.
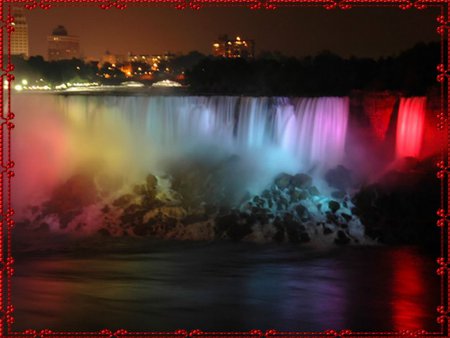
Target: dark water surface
(149, 286)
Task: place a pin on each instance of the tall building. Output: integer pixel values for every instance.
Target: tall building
(62, 46)
(19, 38)
(233, 48)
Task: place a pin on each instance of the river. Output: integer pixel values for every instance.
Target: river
(147, 285)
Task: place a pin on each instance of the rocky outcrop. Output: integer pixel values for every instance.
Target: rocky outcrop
(291, 209)
(401, 207)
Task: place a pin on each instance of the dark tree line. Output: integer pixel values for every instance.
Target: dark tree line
(413, 72)
(55, 72)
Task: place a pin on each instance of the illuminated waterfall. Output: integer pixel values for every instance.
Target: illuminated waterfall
(410, 125)
(310, 131)
(136, 135)
(314, 130)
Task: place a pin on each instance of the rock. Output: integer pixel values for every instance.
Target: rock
(141, 230)
(203, 231)
(301, 210)
(294, 231)
(293, 236)
(239, 231)
(338, 194)
(327, 231)
(303, 195)
(77, 192)
(173, 212)
(139, 189)
(279, 235)
(80, 226)
(105, 209)
(258, 201)
(339, 178)
(222, 223)
(294, 195)
(341, 238)
(104, 232)
(283, 180)
(44, 227)
(152, 182)
(245, 198)
(131, 216)
(266, 194)
(151, 214)
(301, 181)
(304, 237)
(283, 202)
(35, 209)
(334, 206)
(347, 217)
(123, 201)
(191, 219)
(314, 191)
(210, 209)
(332, 218)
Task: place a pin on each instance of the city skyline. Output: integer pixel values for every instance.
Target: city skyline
(361, 32)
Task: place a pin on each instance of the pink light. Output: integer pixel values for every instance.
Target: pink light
(410, 125)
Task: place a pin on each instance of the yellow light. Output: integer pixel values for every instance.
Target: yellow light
(238, 38)
(24, 82)
(216, 45)
(18, 87)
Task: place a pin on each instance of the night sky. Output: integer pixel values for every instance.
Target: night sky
(363, 32)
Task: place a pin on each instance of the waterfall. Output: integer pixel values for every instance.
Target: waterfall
(314, 130)
(310, 131)
(410, 125)
(135, 135)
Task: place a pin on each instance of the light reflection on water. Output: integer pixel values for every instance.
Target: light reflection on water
(227, 287)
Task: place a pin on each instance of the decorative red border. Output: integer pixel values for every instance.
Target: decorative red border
(7, 165)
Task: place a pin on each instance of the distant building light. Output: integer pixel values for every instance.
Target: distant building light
(216, 45)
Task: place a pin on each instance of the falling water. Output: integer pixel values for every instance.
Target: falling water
(137, 135)
(308, 131)
(410, 125)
